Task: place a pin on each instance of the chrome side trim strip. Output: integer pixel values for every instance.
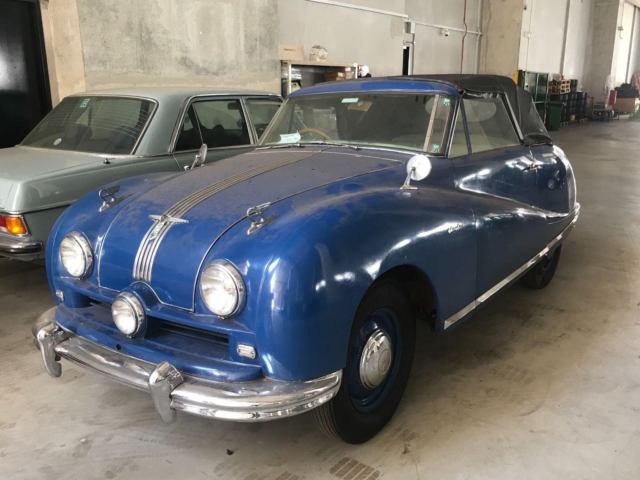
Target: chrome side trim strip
(145, 257)
(466, 310)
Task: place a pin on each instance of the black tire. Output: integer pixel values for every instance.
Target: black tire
(542, 273)
(348, 417)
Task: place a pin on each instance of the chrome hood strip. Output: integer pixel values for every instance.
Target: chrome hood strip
(145, 256)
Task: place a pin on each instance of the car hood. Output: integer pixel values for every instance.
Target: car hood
(19, 165)
(203, 204)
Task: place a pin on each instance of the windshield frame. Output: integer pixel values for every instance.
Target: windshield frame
(333, 143)
(154, 105)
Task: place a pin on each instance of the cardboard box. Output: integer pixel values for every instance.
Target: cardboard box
(626, 105)
(333, 76)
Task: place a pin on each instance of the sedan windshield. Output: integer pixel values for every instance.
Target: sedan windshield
(392, 120)
(98, 124)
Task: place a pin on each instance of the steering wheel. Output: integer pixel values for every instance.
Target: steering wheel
(315, 131)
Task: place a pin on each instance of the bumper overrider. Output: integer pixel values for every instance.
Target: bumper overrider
(252, 401)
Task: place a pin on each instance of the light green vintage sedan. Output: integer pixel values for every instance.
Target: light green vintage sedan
(92, 139)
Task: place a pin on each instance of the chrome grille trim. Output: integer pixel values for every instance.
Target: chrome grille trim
(148, 248)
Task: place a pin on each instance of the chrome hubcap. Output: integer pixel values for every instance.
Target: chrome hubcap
(375, 361)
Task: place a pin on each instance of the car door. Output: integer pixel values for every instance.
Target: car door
(260, 111)
(220, 122)
(499, 173)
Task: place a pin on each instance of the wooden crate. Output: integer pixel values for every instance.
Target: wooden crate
(559, 87)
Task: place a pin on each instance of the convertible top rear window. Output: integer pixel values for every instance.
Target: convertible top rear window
(393, 120)
(97, 124)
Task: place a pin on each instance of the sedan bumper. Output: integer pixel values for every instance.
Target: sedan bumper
(253, 401)
(22, 248)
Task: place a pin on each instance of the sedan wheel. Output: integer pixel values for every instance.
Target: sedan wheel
(379, 360)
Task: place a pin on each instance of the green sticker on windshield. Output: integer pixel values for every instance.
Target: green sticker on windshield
(446, 101)
(84, 103)
(350, 100)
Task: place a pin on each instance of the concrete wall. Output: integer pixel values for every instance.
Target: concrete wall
(128, 42)
(92, 44)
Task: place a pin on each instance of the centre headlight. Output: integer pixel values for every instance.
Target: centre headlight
(128, 314)
(75, 255)
(222, 288)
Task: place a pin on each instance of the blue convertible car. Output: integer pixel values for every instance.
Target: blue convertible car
(290, 278)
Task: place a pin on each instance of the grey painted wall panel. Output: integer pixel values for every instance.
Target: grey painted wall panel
(578, 39)
(436, 53)
(543, 27)
(348, 35)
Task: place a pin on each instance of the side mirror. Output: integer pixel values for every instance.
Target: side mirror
(201, 156)
(418, 168)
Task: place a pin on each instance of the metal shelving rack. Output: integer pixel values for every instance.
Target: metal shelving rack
(304, 74)
(537, 84)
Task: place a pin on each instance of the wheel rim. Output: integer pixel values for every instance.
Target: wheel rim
(374, 360)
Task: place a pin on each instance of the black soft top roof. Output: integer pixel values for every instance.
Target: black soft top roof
(524, 109)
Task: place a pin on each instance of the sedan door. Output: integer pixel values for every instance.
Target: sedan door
(221, 123)
(498, 172)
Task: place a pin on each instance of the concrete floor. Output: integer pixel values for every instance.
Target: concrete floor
(540, 384)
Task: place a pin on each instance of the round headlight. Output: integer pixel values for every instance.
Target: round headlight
(222, 288)
(128, 314)
(75, 255)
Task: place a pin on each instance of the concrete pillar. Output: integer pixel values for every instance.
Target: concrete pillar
(602, 50)
(500, 44)
(63, 47)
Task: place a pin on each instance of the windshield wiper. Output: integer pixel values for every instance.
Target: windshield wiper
(283, 145)
(333, 144)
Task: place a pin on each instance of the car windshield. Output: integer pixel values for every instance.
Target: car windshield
(98, 124)
(392, 120)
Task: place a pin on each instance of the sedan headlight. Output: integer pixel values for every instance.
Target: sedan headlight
(222, 288)
(75, 255)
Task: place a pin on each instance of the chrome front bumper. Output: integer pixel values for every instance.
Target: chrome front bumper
(23, 248)
(253, 401)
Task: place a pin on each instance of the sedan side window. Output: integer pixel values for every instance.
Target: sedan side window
(261, 111)
(189, 138)
(489, 124)
(222, 123)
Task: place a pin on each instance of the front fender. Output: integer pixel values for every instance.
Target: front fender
(303, 289)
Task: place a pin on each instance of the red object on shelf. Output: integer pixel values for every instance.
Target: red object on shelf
(613, 96)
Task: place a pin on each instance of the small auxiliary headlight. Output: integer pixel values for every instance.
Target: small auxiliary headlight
(222, 288)
(75, 255)
(128, 314)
